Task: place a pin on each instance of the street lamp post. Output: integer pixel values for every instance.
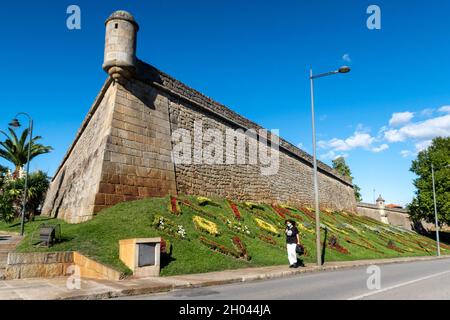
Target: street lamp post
(343, 69)
(436, 222)
(435, 213)
(15, 124)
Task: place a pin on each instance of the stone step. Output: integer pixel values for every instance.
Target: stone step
(7, 247)
(3, 257)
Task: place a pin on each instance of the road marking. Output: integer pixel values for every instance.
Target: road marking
(398, 285)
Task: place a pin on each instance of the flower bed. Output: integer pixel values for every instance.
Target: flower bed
(174, 206)
(366, 246)
(203, 201)
(220, 248)
(202, 224)
(303, 227)
(308, 213)
(273, 218)
(168, 226)
(237, 227)
(267, 239)
(251, 205)
(235, 209)
(280, 211)
(166, 246)
(240, 247)
(197, 209)
(333, 243)
(266, 226)
(391, 245)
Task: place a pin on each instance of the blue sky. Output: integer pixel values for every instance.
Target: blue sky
(254, 57)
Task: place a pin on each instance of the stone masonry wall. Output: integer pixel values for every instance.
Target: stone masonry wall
(123, 150)
(71, 195)
(137, 162)
(293, 183)
(396, 217)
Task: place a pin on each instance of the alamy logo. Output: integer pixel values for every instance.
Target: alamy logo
(374, 280)
(215, 147)
(374, 20)
(73, 22)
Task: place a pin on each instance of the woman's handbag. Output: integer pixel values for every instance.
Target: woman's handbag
(299, 249)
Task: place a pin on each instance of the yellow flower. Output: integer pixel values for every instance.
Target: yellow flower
(303, 228)
(266, 226)
(206, 225)
(285, 206)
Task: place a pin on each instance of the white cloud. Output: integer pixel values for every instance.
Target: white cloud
(331, 155)
(346, 58)
(357, 140)
(407, 153)
(400, 118)
(427, 112)
(445, 109)
(425, 130)
(422, 145)
(380, 148)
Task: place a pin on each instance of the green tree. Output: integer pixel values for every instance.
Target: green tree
(422, 206)
(3, 172)
(6, 207)
(341, 166)
(15, 149)
(38, 183)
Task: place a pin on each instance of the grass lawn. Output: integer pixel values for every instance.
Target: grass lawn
(357, 237)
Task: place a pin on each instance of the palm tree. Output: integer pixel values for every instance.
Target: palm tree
(16, 150)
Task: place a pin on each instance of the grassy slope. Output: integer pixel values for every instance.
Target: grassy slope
(99, 237)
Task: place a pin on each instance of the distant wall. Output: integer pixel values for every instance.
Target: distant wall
(395, 217)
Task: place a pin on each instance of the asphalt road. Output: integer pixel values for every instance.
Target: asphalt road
(416, 280)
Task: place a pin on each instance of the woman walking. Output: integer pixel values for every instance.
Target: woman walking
(292, 240)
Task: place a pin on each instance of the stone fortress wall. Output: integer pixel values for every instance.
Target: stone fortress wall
(393, 216)
(123, 149)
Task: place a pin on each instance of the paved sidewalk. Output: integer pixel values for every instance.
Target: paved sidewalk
(56, 288)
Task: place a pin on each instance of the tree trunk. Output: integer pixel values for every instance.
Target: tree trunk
(16, 172)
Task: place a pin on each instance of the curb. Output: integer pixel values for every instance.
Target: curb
(250, 278)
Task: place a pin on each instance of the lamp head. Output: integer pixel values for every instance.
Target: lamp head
(15, 123)
(344, 69)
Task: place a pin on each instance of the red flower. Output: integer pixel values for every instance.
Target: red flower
(279, 210)
(267, 239)
(235, 209)
(240, 247)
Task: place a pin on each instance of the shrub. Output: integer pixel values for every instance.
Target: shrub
(6, 208)
(38, 183)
